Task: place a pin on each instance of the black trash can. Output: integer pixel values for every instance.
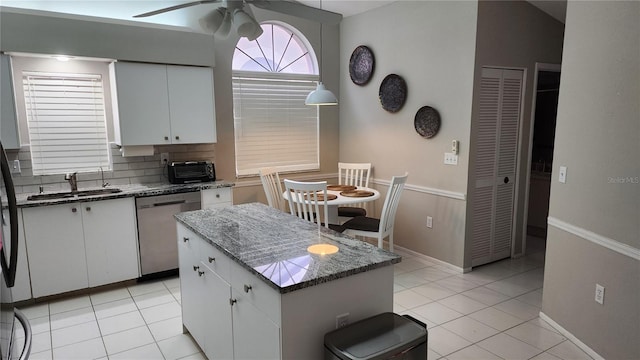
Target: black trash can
(384, 336)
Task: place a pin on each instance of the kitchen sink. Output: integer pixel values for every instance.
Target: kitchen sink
(71, 194)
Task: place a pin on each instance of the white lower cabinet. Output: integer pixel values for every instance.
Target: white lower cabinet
(223, 319)
(22, 287)
(79, 245)
(55, 247)
(110, 234)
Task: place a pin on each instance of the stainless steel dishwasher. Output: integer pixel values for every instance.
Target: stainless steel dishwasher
(157, 229)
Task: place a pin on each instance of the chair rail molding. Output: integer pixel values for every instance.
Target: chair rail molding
(316, 176)
(427, 190)
(604, 241)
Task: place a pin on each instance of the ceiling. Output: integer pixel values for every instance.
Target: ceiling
(188, 17)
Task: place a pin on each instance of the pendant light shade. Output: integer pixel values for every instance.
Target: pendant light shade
(321, 96)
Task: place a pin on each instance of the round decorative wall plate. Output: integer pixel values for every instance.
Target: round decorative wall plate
(427, 122)
(393, 93)
(361, 65)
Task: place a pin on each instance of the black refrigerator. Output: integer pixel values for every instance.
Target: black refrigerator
(15, 331)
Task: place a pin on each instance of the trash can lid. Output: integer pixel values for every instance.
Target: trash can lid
(375, 337)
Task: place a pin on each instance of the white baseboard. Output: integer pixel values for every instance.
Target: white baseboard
(571, 337)
(434, 260)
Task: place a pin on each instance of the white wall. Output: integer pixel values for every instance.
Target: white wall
(431, 44)
(594, 218)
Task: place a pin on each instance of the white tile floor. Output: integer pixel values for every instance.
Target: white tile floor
(490, 313)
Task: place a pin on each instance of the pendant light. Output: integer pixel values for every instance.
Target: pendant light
(321, 96)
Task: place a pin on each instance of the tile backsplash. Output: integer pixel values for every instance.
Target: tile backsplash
(126, 170)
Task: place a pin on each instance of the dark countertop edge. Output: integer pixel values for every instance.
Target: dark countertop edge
(151, 190)
(298, 286)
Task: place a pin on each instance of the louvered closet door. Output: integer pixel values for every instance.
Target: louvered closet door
(495, 168)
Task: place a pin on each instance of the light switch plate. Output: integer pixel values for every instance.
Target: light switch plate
(562, 174)
(599, 294)
(450, 159)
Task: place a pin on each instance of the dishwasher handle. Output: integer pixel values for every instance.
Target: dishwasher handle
(158, 204)
(167, 203)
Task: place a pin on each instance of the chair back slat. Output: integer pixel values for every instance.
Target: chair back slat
(272, 187)
(355, 174)
(390, 207)
(304, 201)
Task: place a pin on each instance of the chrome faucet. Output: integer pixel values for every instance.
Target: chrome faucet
(73, 181)
(104, 184)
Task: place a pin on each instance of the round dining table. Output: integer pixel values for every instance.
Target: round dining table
(342, 200)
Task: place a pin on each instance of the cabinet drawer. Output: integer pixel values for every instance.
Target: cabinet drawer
(188, 240)
(256, 291)
(216, 196)
(215, 260)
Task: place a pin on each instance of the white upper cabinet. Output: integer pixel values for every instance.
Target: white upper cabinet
(191, 105)
(8, 120)
(158, 104)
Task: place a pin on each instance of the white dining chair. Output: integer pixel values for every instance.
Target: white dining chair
(355, 174)
(308, 200)
(272, 187)
(383, 227)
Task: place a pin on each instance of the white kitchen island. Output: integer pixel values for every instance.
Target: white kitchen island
(252, 290)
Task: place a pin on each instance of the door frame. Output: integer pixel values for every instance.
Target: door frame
(525, 214)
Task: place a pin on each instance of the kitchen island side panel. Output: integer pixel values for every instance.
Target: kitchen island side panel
(308, 314)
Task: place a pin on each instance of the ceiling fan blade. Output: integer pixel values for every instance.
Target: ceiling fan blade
(175, 7)
(299, 10)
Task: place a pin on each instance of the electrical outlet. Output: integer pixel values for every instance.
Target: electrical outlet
(600, 294)
(562, 174)
(429, 222)
(342, 320)
(15, 167)
(164, 159)
(450, 159)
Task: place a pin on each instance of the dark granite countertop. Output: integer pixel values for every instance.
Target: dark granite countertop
(134, 190)
(273, 245)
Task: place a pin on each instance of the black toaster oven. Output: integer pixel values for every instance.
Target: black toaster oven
(191, 172)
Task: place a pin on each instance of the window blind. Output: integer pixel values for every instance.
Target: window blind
(66, 120)
(273, 126)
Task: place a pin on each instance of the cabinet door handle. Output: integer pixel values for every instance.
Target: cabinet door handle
(88, 208)
(247, 288)
(185, 239)
(232, 301)
(177, 137)
(200, 273)
(196, 267)
(166, 138)
(211, 259)
(74, 209)
(218, 196)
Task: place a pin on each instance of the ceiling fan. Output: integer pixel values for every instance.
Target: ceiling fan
(232, 13)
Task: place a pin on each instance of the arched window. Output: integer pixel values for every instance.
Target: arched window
(271, 79)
